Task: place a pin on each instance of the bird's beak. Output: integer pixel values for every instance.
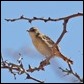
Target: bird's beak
(27, 30)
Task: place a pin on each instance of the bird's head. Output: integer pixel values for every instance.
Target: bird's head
(33, 31)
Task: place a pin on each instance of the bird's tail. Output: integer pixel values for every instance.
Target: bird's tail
(66, 59)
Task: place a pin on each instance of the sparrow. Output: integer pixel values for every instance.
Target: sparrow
(45, 45)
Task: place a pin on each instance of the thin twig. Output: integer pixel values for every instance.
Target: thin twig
(40, 67)
(70, 71)
(29, 77)
(66, 19)
(17, 67)
(64, 31)
(44, 19)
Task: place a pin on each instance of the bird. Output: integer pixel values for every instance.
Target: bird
(45, 45)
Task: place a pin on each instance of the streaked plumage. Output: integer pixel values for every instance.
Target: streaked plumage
(45, 45)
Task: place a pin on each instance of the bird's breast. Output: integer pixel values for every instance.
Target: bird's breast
(42, 47)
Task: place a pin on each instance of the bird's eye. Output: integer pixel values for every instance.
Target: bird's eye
(32, 29)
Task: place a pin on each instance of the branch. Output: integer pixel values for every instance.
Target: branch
(40, 67)
(20, 69)
(66, 19)
(70, 71)
(17, 67)
(64, 31)
(43, 19)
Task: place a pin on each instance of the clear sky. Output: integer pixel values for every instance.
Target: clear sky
(15, 39)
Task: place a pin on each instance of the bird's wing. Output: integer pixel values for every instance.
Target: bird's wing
(48, 39)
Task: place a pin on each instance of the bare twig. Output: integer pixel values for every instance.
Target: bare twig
(66, 19)
(70, 71)
(44, 19)
(41, 66)
(64, 31)
(29, 77)
(20, 69)
(17, 67)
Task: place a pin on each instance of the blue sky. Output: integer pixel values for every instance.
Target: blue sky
(15, 39)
